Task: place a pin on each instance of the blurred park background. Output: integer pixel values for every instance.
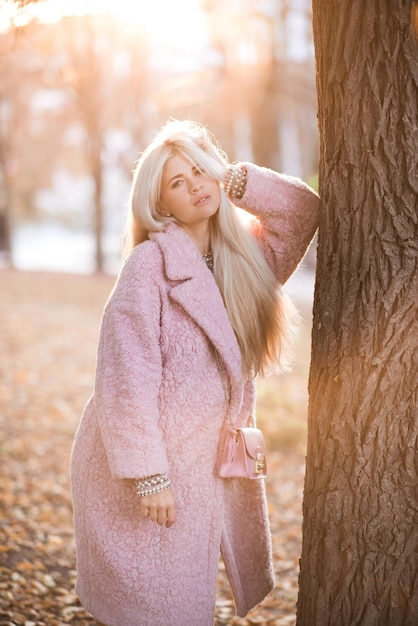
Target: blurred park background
(83, 87)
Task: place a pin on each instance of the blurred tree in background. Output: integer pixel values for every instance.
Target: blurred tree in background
(81, 96)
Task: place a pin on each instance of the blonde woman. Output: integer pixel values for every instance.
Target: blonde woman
(200, 288)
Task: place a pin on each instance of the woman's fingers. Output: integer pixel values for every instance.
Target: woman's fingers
(144, 509)
(159, 508)
(171, 516)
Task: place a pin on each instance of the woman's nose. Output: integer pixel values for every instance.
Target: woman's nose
(196, 185)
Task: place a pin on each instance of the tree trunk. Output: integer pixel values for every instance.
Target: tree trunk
(91, 97)
(96, 172)
(5, 234)
(265, 119)
(359, 561)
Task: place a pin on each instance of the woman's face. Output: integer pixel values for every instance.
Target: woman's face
(187, 194)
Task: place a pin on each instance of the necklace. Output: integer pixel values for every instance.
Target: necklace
(208, 259)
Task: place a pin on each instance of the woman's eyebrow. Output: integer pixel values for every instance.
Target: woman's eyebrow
(194, 169)
(175, 176)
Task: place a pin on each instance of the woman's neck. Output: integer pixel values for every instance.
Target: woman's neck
(200, 237)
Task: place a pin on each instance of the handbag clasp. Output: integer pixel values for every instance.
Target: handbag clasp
(260, 463)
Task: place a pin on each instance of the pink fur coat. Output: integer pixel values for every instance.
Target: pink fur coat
(158, 406)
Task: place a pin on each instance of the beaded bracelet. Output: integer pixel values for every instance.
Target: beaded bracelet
(236, 182)
(150, 485)
(151, 481)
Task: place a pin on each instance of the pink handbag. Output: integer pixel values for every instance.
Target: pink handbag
(244, 454)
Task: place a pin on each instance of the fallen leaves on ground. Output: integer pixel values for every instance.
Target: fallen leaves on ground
(49, 331)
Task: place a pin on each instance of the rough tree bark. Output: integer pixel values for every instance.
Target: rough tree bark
(359, 562)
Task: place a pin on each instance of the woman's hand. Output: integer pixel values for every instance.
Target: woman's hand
(159, 507)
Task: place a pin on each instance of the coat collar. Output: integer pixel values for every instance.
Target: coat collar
(195, 290)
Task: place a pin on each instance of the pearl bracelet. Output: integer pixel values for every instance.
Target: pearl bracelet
(236, 182)
(150, 485)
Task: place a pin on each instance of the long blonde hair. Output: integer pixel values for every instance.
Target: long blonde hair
(260, 314)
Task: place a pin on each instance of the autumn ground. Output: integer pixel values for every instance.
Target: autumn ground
(49, 329)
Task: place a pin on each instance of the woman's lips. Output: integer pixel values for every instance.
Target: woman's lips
(201, 200)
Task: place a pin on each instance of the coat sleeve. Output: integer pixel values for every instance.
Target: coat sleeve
(129, 370)
(287, 212)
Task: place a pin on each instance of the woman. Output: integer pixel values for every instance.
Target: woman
(199, 291)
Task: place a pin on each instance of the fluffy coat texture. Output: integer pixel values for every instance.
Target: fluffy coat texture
(158, 406)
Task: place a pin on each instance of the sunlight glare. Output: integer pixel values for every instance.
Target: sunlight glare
(179, 24)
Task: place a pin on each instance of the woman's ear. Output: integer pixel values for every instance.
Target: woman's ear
(162, 209)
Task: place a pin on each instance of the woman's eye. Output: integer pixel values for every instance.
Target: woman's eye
(177, 183)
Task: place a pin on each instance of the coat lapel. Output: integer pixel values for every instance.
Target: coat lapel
(195, 290)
